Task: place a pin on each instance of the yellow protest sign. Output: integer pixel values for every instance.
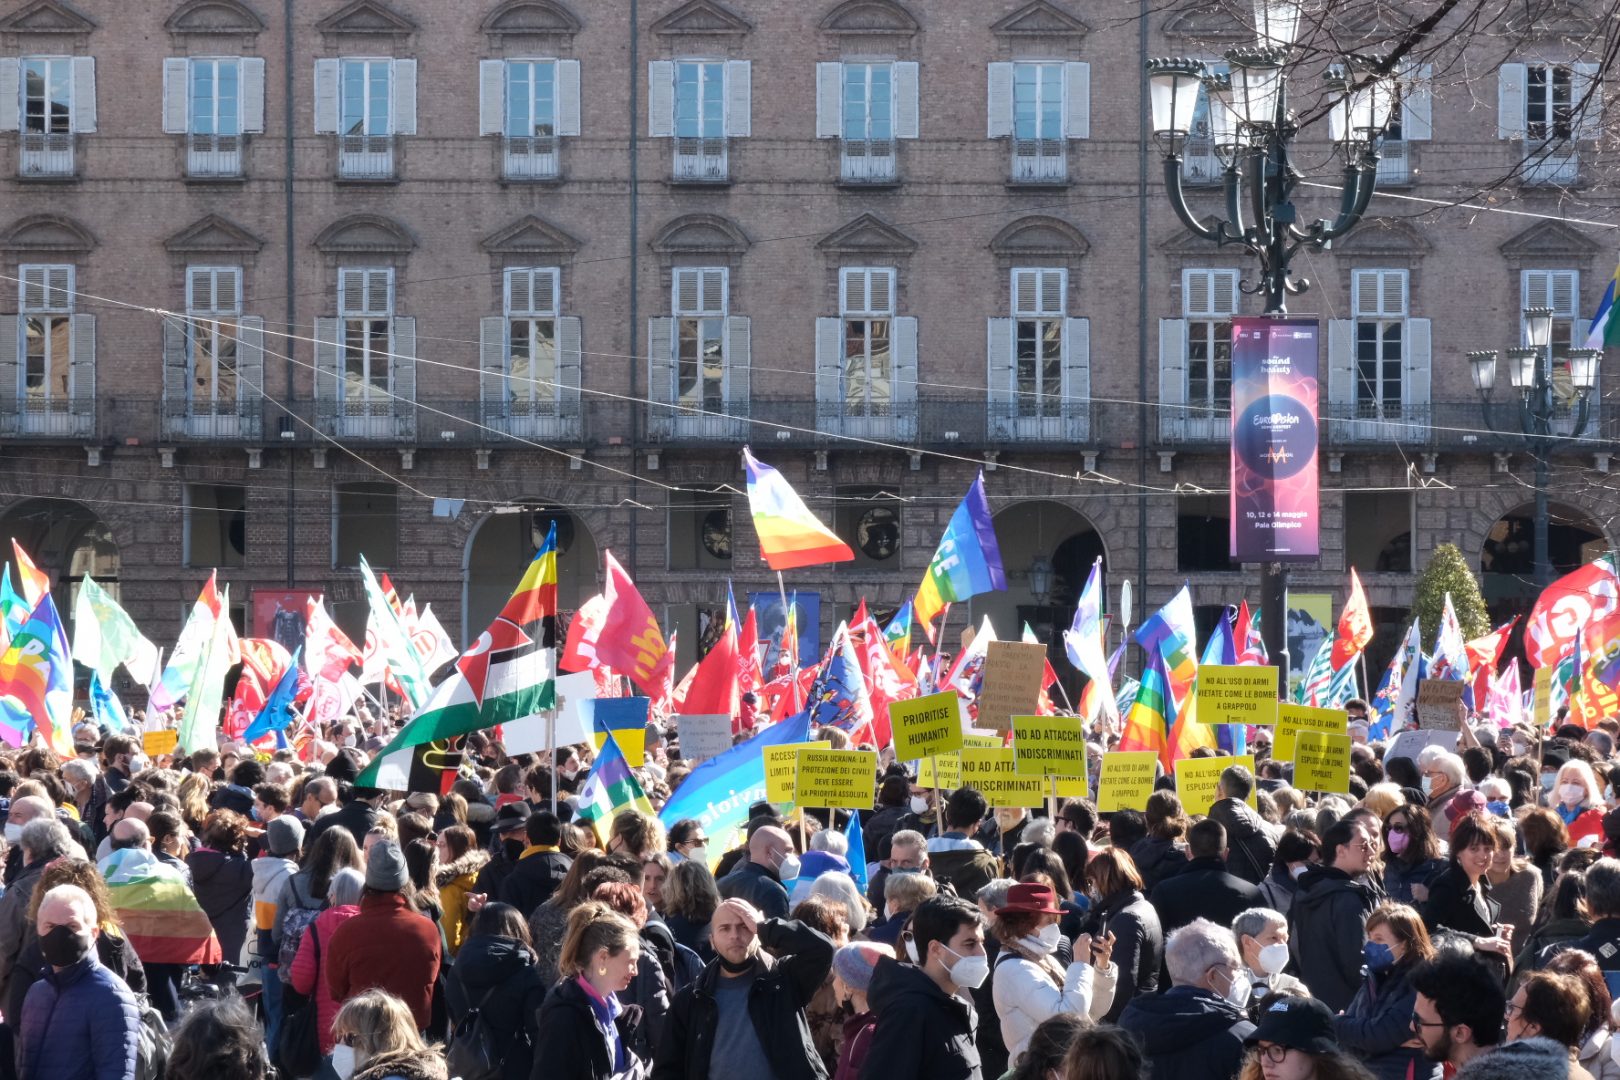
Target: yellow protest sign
(950, 765)
(836, 778)
(926, 725)
(1322, 762)
(1233, 694)
(154, 743)
(782, 771)
(995, 774)
(1049, 745)
(1126, 781)
(1198, 780)
(1543, 696)
(1292, 719)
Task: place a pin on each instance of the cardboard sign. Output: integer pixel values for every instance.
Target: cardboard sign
(926, 725)
(1049, 745)
(1013, 671)
(1322, 762)
(995, 774)
(1437, 704)
(154, 743)
(1198, 780)
(704, 736)
(782, 771)
(836, 778)
(1410, 744)
(1230, 694)
(1292, 719)
(1543, 696)
(1127, 780)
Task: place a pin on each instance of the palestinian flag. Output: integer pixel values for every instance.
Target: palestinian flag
(610, 788)
(158, 911)
(508, 674)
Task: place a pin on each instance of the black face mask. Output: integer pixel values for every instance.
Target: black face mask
(737, 969)
(64, 947)
(513, 848)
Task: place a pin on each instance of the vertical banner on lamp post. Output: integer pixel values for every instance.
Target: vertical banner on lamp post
(1274, 471)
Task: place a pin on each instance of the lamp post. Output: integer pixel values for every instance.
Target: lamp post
(1252, 127)
(1530, 372)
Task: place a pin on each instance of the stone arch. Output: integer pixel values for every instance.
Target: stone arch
(701, 234)
(214, 17)
(67, 540)
(1040, 234)
(369, 234)
(870, 17)
(48, 234)
(531, 17)
(499, 545)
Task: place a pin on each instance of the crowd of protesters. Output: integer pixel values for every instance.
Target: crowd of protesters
(232, 914)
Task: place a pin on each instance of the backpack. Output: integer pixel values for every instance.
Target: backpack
(473, 1052)
(293, 924)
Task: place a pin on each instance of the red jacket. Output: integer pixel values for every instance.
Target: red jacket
(388, 947)
(306, 972)
(858, 1030)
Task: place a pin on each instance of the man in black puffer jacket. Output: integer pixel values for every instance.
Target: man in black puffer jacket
(924, 1026)
(1193, 1031)
(1330, 912)
(1251, 838)
(743, 1018)
(540, 869)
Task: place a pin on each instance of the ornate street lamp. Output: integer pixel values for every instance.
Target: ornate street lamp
(1253, 127)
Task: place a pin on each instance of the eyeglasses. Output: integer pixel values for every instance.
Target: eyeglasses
(1274, 1053)
(1419, 1022)
(1512, 1010)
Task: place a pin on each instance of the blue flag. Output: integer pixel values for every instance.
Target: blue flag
(857, 851)
(109, 711)
(278, 706)
(719, 792)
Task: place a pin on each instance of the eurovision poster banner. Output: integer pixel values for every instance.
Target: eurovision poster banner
(1274, 500)
(278, 614)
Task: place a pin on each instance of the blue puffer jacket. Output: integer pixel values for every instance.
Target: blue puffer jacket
(79, 1023)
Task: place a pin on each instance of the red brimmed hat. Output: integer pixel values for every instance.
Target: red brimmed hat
(1030, 898)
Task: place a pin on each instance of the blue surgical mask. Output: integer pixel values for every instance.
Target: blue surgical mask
(1547, 780)
(1379, 957)
(1497, 807)
(1082, 901)
(1428, 783)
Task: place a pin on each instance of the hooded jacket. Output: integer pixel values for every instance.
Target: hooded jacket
(270, 874)
(782, 988)
(1251, 839)
(1522, 1059)
(80, 1023)
(965, 865)
(1328, 932)
(497, 976)
(223, 884)
(538, 874)
(922, 1032)
(1379, 1022)
(403, 1065)
(1203, 889)
(455, 881)
(1157, 858)
(1188, 1034)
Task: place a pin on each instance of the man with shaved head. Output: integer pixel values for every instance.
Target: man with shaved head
(771, 861)
(79, 1021)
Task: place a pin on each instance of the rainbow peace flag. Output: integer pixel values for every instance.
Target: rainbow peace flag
(36, 682)
(157, 910)
(610, 788)
(790, 536)
(967, 561)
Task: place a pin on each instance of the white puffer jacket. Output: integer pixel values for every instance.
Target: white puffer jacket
(1025, 995)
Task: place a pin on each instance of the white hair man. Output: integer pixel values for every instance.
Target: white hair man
(1197, 1027)
(42, 839)
(79, 1020)
(1443, 779)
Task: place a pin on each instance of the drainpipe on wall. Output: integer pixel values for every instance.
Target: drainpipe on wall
(1142, 140)
(636, 412)
(290, 284)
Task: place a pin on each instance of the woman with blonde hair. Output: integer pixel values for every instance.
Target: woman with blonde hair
(375, 1038)
(1577, 799)
(1382, 798)
(193, 796)
(579, 1021)
(1515, 883)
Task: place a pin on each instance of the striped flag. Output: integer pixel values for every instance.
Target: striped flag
(790, 536)
(610, 788)
(157, 910)
(967, 561)
(1605, 328)
(188, 651)
(1151, 724)
(393, 638)
(34, 581)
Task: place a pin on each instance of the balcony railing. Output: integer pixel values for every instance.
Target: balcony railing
(677, 425)
(1394, 162)
(700, 161)
(1039, 161)
(213, 155)
(206, 421)
(1199, 162)
(532, 158)
(886, 423)
(366, 157)
(1547, 165)
(60, 418)
(1057, 422)
(1194, 424)
(548, 420)
(46, 154)
(381, 419)
(867, 161)
(1375, 422)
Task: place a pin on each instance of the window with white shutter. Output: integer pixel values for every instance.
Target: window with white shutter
(1559, 290)
(366, 309)
(530, 103)
(1378, 302)
(56, 96)
(1209, 299)
(213, 101)
(877, 104)
(700, 303)
(866, 302)
(45, 295)
(375, 100)
(1040, 304)
(531, 339)
(213, 307)
(1037, 103)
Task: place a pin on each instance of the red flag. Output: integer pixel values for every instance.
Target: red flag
(630, 641)
(1355, 626)
(887, 680)
(713, 689)
(328, 652)
(1565, 607)
(663, 701)
(749, 679)
(1483, 654)
(264, 662)
(579, 651)
(390, 594)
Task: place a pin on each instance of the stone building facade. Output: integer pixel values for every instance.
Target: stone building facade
(295, 281)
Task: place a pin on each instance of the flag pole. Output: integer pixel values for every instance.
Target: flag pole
(939, 645)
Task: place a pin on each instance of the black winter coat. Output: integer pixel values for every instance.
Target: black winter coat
(878, 827)
(1138, 946)
(1252, 839)
(922, 1032)
(224, 887)
(776, 1003)
(573, 1046)
(1328, 930)
(358, 817)
(1188, 1034)
(534, 879)
(1458, 906)
(1157, 859)
(498, 977)
(1378, 1023)
(1203, 889)
(757, 885)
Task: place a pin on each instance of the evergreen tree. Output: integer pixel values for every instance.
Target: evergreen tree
(1447, 572)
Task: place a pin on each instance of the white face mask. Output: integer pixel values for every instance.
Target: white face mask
(1571, 794)
(1239, 990)
(1273, 958)
(788, 868)
(969, 972)
(919, 804)
(343, 1061)
(13, 832)
(1048, 936)
(1300, 869)
(699, 854)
